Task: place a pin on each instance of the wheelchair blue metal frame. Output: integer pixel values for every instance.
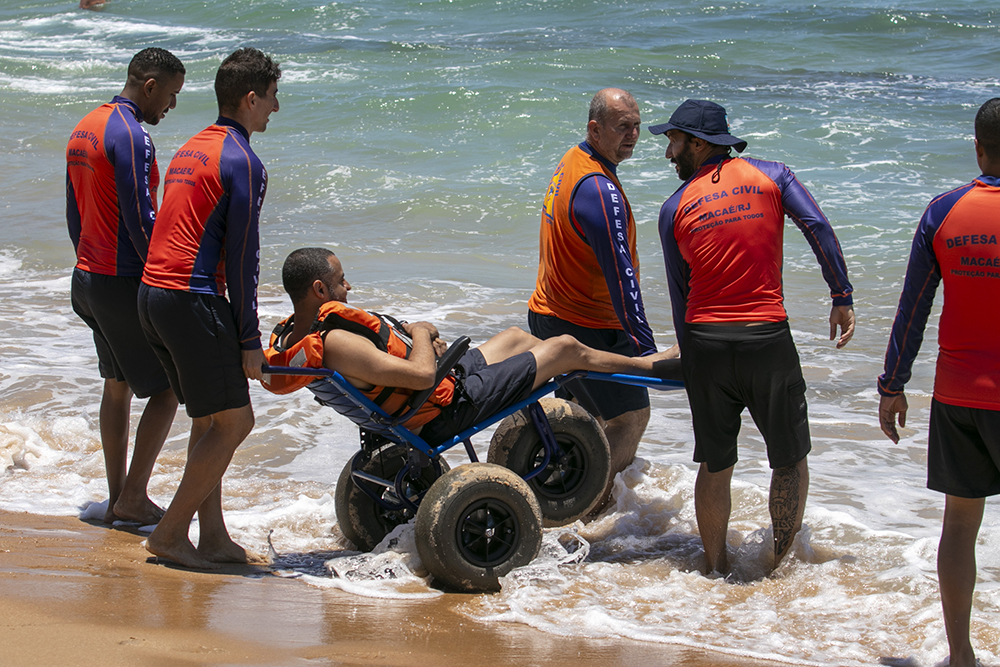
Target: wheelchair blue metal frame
(353, 404)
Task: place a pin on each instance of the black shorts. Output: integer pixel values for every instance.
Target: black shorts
(108, 305)
(483, 391)
(195, 338)
(604, 399)
(963, 451)
(728, 368)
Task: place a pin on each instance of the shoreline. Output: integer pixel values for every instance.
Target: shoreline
(77, 593)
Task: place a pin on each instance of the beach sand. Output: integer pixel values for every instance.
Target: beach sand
(82, 594)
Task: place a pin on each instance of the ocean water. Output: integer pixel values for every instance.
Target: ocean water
(416, 139)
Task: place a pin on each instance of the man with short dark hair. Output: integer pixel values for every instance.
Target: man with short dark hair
(206, 245)
(722, 242)
(111, 184)
(500, 372)
(588, 269)
(956, 242)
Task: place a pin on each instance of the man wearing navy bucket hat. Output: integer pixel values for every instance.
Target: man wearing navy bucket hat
(722, 244)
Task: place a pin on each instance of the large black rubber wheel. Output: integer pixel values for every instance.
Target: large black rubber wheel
(363, 521)
(572, 483)
(476, 524)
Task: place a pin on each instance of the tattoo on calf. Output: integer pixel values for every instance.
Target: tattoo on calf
(784, 506)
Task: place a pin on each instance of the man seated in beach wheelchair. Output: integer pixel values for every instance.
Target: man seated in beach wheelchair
(414, 397)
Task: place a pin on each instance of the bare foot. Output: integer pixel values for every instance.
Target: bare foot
(144, 512)
(254, 558)
(109, 515)
(223, 551)
(183, 553)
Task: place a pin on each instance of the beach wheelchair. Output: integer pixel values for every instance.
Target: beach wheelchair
(548, 465)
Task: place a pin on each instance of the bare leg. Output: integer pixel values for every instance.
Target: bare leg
(712, 506)
(133, 502)
(562, 354)
(506, 344)
(787, 503)
(624, 433)
(215, 545)
(116, 404)
(956, 565)
(208, 457)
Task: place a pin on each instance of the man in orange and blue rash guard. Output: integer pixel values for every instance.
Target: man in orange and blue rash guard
(111, 184)
(206, 244)
(722, 243)
(958, 242)
(588, 270)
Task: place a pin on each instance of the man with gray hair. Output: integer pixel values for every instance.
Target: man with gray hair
(588, 269)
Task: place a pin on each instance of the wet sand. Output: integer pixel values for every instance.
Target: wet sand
(82, 594)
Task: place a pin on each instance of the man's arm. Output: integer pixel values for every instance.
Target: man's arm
(922, 277)
(358, 360)
(73, 221)
(800, 206)
(245, 180)
(599, 211)
(678, 271)
(133, 161)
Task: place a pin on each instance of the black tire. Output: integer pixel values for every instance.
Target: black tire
(476, 524)
(363, 521)
(572, 484)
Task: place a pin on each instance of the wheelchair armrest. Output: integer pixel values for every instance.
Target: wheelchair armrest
(444, 364)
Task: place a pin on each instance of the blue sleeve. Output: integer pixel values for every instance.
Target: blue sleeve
(73, 221)
(601, 214)
(245, 179)
(923, 274)
(678, 271)
(807, 216)
(133, 157)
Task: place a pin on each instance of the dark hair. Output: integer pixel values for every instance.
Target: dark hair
(153, 63)
(303, 267)
(988, 128)
(244, 70)
(599, 107)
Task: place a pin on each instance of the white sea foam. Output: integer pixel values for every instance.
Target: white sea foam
(422, 158)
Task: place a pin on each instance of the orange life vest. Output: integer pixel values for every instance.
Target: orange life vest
(570, 282)
(380, 330)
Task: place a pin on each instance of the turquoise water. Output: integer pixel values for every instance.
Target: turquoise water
(416, 139)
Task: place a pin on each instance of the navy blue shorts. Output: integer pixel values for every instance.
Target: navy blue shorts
(963, 451)
(604, 399)
(195, 338)
(108, 305)
(729, 368)
(483, 391)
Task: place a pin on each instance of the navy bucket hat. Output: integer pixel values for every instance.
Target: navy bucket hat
(703, 119)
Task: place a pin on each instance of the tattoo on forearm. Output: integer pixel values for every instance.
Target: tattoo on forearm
(784, 506)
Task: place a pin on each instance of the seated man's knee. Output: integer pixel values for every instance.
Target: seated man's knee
(567, 345)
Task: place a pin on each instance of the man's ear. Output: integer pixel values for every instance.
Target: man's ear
(319, 289)
(149, 86)
(593, 128)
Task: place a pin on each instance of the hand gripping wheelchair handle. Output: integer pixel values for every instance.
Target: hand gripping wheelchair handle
(445, 364)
